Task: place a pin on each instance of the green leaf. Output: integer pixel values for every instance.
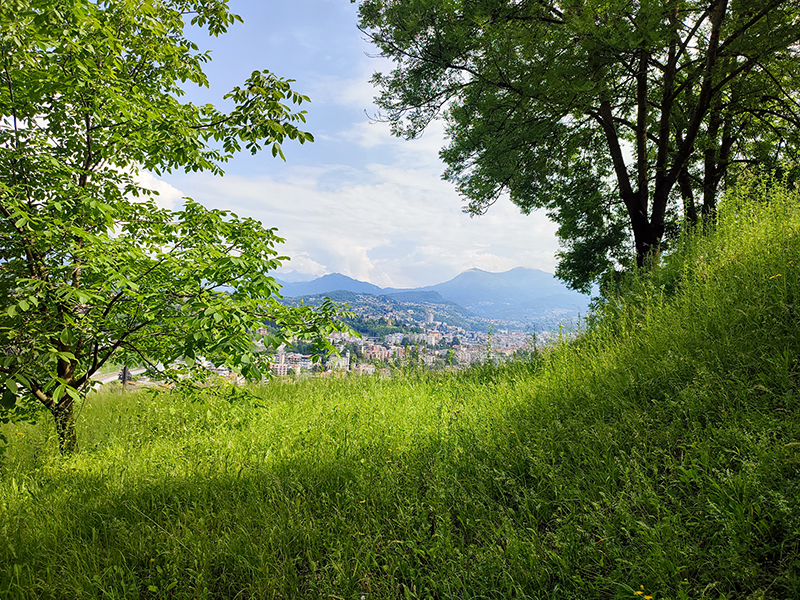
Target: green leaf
(58, 393)
(73, 393)
(8, 400)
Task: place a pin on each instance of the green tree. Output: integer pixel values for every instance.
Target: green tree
(619, 118)
(90, 267)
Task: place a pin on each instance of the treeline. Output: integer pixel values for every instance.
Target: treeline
(378, 327)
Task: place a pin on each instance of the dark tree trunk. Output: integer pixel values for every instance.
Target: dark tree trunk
(689, 208)
(65, 426)
(711, 178)
(646, 240)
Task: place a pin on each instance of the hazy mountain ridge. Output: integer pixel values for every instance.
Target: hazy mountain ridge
(521, 295)
(428, 296)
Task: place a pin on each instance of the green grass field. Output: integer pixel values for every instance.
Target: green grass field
(658, 455)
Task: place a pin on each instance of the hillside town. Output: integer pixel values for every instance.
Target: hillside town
(434, 344)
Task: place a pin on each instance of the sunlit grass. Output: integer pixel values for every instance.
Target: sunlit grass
(656, 456)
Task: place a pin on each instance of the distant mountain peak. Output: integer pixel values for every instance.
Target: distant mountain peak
(515, 295)
(327, 283)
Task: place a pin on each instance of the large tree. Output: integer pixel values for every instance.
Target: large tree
(619, 117)
(91, 269)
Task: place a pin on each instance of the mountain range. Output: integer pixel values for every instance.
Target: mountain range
(521, 294)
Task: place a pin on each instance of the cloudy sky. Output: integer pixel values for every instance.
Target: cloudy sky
(357, 201)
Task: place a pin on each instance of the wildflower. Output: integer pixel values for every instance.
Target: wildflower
(774, 276)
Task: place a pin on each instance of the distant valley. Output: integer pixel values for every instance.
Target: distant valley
(519, 299)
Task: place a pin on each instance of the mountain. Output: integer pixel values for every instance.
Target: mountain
(327, 283)
(520, 295)
(419, 296)
(517, 285)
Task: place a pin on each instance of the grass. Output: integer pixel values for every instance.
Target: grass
(656, 454)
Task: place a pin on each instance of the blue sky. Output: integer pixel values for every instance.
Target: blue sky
(357, 201)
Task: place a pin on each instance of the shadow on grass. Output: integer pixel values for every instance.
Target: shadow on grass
(551, 503)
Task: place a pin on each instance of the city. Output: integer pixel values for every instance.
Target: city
(429, 344)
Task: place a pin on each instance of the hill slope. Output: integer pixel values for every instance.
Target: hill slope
(656, 456)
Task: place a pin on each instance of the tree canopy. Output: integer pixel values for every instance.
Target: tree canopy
(620, 118)
(91, 269)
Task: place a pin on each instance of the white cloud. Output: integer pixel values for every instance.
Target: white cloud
(376, 209)
(353, 92)
(370, 135)
(303, 263)
(168, 196)
(402, 228)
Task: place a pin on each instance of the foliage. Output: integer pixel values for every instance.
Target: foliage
(658, 452)
(543, 100)
(379, 327)
(92, 268)
(301, 347)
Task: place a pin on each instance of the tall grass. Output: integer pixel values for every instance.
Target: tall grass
(657, 453)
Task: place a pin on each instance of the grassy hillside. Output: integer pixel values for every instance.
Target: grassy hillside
(659, 455)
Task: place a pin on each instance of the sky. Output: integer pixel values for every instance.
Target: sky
(357, 201)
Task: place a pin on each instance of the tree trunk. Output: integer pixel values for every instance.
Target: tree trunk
(646, 239)
(65, 426)
(689, 208)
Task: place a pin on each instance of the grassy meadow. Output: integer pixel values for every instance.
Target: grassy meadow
(658, 455)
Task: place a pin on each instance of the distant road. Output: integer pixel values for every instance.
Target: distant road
(115, 376)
